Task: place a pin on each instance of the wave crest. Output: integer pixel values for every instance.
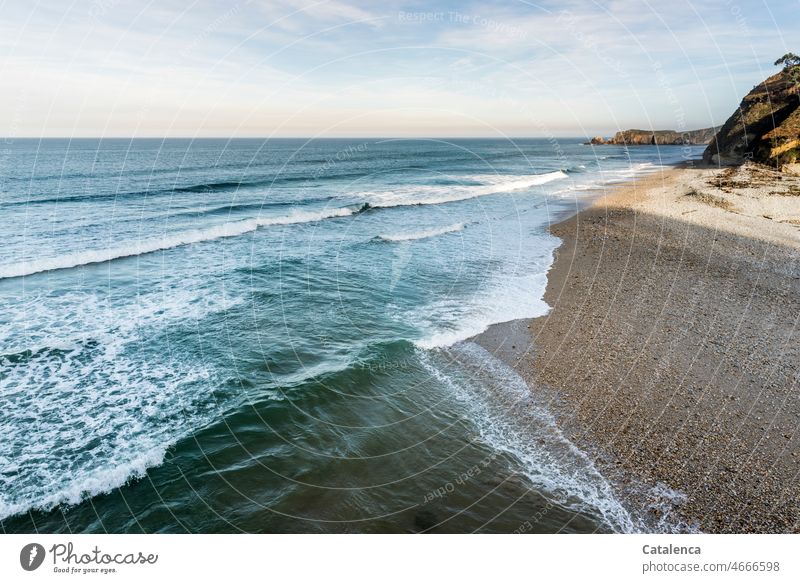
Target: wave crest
(489, 184)
(424, 234)
(408, 196)
(142, 247)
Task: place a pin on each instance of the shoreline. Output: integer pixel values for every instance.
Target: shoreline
(670, 354)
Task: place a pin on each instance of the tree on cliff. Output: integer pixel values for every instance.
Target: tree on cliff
(789, 59)
(791, 66)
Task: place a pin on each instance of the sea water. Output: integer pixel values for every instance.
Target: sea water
(273, 335)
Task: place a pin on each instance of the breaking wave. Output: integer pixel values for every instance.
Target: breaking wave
(144, 246)
(488, 185)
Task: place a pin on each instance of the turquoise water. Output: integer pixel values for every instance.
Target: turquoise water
(272, 336)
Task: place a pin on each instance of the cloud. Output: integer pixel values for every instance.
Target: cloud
(108, 66)
(302, 16)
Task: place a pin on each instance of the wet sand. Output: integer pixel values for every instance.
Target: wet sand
(671, 353)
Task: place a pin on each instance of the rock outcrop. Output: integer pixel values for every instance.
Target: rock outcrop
(657, 137)
(765, 128)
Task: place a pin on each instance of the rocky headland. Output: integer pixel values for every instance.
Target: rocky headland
(656, 138)
(765, 128)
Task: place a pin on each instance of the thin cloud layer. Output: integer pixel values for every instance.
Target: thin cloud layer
(336, 68)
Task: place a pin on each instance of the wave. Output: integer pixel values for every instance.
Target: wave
(100, 481)
(424, 234)
(200, 188)
(143, 247)
(148, 172)
(225, 186)
(227, 209)
(252, 206)
(197, 188)
(82, 353)
(632, 171)
(603, 178)
(511, 419)
(409, 196)
(577, 169)
(493, 184)
(488, 185)
(123, 419)
(511, 298)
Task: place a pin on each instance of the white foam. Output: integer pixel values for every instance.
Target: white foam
(665, 504)
(81, 414)
(607, 178)
(101, 481)
(150, 245)
(79, 424)
(510, 419)
(489, 184)
(631, 171)
(67, 321)
(424, 234)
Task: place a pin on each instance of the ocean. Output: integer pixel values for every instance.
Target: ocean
(273, 335)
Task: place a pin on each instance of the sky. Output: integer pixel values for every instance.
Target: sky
(346, 68)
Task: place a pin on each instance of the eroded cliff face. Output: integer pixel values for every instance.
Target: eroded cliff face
(765, 128)
(657, 137)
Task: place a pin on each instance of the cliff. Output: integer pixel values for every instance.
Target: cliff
(765, 128)
(657, 137)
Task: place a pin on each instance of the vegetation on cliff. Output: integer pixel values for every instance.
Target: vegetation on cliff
(766, 126)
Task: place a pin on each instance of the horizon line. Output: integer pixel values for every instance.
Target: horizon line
(8, 140)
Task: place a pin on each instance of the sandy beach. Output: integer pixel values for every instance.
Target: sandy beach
(671, 352)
